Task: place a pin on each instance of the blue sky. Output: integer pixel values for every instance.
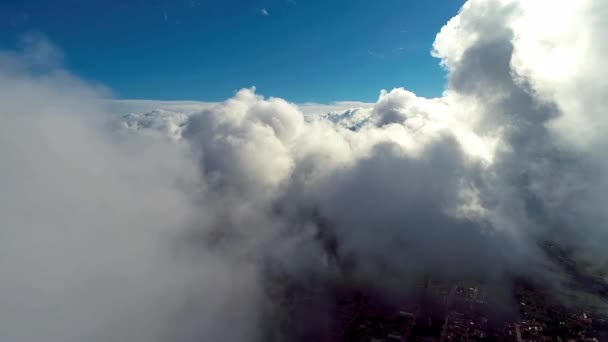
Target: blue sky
(301, 50)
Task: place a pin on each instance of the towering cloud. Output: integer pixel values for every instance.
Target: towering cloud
(117, 232)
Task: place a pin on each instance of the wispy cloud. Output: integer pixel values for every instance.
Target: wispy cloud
(264, 12)
(375, 54)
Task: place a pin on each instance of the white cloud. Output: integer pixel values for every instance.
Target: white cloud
(144, 106)
(255, 189)
(91, 222)
(264, 12)
(188, 107)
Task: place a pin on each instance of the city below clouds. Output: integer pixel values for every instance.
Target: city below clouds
(145, 220)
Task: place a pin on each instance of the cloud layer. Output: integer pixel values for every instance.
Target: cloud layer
(176, 225)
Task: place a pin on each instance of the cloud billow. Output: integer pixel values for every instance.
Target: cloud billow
(174, 226)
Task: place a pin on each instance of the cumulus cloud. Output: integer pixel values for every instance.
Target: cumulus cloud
(174, 224)
(510, 62)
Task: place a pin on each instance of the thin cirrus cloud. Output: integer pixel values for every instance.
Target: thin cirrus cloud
(113, 232)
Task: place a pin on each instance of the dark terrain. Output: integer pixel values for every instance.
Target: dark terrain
(520, 309)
